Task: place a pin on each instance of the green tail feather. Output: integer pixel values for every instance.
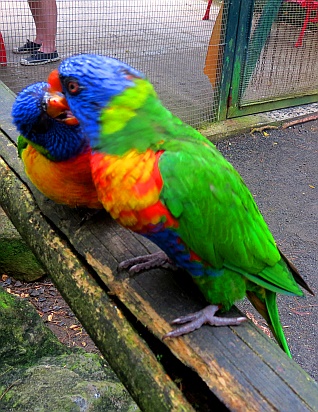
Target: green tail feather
(276, 326)
(266, 305)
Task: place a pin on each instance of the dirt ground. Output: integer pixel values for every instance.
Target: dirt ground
(53, 310)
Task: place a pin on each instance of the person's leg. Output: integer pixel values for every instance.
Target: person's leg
(44, 13)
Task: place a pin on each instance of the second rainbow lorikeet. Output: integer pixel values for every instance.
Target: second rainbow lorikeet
(162, 179)
(63, 176)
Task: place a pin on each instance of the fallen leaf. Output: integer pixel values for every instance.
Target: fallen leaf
(265, 329)
(50, 317)
(300, 313)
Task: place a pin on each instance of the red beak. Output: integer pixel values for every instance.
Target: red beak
(57, 106)
(54, 81)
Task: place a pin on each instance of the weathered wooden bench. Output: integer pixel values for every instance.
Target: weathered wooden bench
(230, 368)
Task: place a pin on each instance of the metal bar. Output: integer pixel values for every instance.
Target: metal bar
(232, 26)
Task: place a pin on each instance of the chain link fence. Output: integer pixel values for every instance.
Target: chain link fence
(166, 39)
(287, 65)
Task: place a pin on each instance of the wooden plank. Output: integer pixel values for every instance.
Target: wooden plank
(239, 366)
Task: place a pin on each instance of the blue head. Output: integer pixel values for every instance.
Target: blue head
(53, 136)
(89, 83)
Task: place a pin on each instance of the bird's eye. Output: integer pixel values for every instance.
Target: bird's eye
(44, 105)
(73, 87)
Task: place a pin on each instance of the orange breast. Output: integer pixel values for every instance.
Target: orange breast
(129, 187)
(68, 182)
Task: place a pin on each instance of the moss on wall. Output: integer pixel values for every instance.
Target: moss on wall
(39, 373)
(16, 259)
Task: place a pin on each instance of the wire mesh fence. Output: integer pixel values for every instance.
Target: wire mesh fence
(166, 39)
(171, 43)
(287, 65)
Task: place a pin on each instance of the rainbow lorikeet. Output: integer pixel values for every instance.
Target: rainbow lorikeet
(63, 176)
(161, 178)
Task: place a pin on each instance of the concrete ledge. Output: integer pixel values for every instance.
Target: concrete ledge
(245, 124)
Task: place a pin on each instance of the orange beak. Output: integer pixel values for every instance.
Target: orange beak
(56, 104)
(54, 81)
(58, 109)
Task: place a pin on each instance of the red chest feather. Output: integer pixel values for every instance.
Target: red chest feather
(129, 187)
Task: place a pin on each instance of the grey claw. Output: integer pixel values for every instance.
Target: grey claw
(195, 320)
(154, 260)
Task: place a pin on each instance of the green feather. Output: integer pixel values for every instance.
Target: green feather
(274, 324)
(22, 144)
(264, 302)
(218, 218)
(141, 124)
(276, 278)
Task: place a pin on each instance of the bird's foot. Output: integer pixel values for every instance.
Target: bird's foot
(195, 320)
(154, 260)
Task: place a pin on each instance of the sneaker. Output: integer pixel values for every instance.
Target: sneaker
(40, 58)
(27, 48)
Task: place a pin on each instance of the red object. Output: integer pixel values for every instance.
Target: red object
(207, 11)
(310, 6)
(54, 81)
(3, 54)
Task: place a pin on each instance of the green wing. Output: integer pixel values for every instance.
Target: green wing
(218, 217)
